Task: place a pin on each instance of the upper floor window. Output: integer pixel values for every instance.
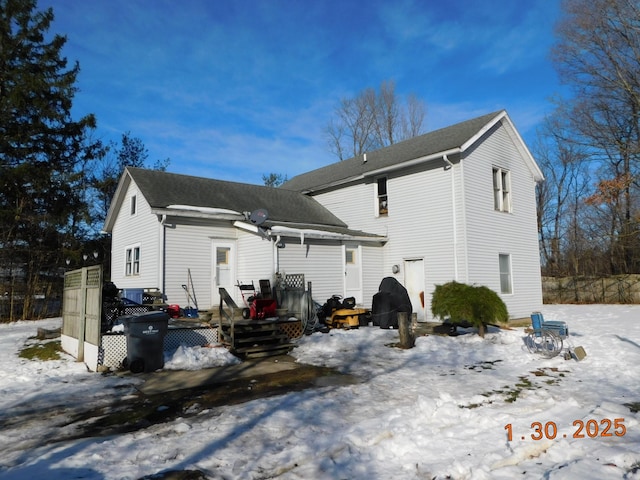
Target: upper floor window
(132, 261)
(381, 194)
(501, 190)
(134, 205)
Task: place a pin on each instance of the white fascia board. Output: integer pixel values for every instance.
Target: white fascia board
(519, 142)
(483, 130)
(116, 203)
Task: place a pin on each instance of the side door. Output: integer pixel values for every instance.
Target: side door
(353, 272)
(414, 283)
(223, 269)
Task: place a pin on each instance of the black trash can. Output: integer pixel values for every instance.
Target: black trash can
(145, 341)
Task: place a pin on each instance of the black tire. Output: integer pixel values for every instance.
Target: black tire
(246, 313)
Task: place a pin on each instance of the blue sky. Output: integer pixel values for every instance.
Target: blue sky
(236, 89)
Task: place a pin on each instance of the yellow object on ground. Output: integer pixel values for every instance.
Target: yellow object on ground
(347, 317)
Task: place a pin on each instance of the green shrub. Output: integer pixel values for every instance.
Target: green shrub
(460, 303)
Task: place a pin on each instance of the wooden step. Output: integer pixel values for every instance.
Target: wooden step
(271, 349)
(263, 339)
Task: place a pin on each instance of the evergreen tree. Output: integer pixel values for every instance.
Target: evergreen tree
(42, 152)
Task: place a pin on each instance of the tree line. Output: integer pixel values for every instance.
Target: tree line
(57, 179)
(588, 149)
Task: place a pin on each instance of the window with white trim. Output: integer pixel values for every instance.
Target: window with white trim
(350, 256)
(382, 198)
(501, 190)
(506, 283)
(133, 204)
(132, 261)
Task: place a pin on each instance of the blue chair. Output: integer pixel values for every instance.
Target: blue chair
(546, 337)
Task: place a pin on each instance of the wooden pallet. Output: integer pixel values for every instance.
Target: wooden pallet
(249, 338)
(254, 338)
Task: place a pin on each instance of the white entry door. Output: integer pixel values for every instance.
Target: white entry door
(223, 274)
(352, 272)
(414, 283)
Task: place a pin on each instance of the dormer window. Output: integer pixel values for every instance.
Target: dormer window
(382, 198)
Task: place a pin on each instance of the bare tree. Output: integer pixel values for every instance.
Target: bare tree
(373, 120)
(412, 122)
(597, 56)
(559, 196)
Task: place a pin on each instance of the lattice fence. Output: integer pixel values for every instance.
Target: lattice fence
(114, 346)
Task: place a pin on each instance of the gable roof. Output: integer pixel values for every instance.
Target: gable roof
(163, 190)
(450, 140)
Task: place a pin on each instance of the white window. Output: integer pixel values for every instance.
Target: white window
(506, 284)
(382, 198)
(133, 204)
(132, 261)
(501, 190)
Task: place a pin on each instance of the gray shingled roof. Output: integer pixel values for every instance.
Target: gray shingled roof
(162, 189)
(430, 143)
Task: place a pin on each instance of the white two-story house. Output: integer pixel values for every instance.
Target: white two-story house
(454, 204)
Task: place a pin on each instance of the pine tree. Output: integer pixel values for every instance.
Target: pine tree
(42, 151)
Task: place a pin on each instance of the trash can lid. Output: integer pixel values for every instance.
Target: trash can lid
(156, 316)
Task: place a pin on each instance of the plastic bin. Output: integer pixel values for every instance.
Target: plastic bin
(145, 341)
(133, 294)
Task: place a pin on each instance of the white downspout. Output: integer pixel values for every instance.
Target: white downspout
(162, 255)
(454, 216)
(276, 257)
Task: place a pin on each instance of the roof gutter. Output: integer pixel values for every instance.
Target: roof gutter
(415, 161)
(390, 168)
(279, 231)
(172, 212)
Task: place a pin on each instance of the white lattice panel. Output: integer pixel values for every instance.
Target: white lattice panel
(114, 346)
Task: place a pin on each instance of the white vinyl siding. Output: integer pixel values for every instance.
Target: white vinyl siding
(255, 261)
(447, 218)
(321, 264)
(490, 233)
(421, 226)
(141, 230)
(188, 249)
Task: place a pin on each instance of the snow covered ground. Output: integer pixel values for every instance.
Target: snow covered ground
(444, 409)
